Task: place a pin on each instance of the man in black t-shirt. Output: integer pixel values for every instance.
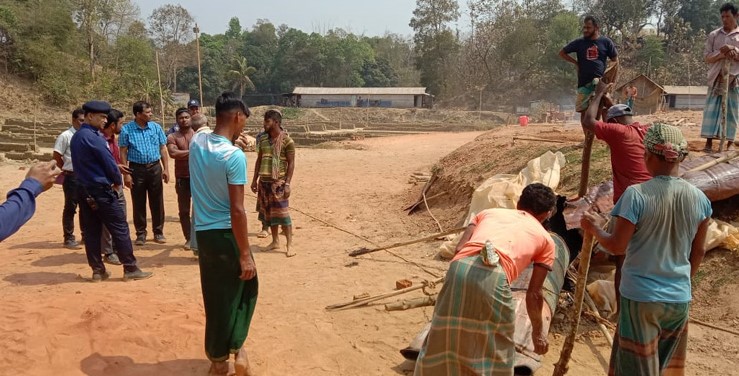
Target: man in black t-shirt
(591, 50)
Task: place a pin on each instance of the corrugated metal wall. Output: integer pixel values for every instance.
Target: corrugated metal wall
(693, 101)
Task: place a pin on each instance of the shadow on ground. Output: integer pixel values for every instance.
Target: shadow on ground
(43, 278)
(99, 365)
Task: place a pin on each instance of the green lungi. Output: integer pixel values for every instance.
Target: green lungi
(229, 302)
(651, 339)
(473, 324)
(584, 95)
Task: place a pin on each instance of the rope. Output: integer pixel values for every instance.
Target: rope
(329, 224)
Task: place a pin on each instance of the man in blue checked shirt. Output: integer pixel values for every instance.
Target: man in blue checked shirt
(143, 147)
(100, 179)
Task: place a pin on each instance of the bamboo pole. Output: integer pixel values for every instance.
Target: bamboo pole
(161, 93)
(587, 150)
(724, 101)
(364, 302)
(540, 140)
(364, 251)
(196, 29)
(564, 357)
(707, 325)
(406, 304)
(714, 162)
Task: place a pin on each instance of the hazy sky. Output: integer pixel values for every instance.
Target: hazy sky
(360, 17)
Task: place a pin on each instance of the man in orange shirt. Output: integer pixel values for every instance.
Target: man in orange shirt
(473, 324)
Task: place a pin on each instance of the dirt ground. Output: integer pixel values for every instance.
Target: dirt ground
(53, 322)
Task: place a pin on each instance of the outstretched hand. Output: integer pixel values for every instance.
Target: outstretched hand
(44, 173)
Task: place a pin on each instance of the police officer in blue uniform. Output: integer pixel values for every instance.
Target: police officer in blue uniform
(99, 178)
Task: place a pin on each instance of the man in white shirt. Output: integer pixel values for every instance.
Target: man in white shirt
(63, 158)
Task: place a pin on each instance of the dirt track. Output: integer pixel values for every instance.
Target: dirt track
(55, 323)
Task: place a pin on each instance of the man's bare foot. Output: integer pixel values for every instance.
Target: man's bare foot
(218, 368)
(241, 365)
(263, 234)
(291, 251)
(273, 246)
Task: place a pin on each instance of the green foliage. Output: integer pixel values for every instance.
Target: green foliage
(651, 55)
(240, 76)
(292, 113)
(507, 54)
(436, 44)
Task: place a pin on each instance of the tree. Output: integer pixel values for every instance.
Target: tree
(171, 28)
(234, 28)
(398, 52)
(379, 73)
(102, 21)
(260, 46)
(435, 42)
(701, 14)
(241, 75)
(627, 17)
(8, 27)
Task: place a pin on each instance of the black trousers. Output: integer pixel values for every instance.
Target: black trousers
(70, 206)
(147, 183)
(111, 214)
(182, 187)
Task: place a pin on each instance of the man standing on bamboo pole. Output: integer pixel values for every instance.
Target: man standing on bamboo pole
(625, 139)
(722, 44)
(661, 229)
(228, 274)
(592, 52)
(474, 319)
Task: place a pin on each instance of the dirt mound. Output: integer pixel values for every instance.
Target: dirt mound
(21, 99)
(495, 152)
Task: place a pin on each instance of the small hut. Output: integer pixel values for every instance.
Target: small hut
(685, 97)
(649, 95)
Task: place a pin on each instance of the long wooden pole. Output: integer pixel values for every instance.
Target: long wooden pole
(200, 73)
(724, 101)
(161, 93)
(364, 251)
(363, 302)
(714, 162)
(585, 169)
(564, 357)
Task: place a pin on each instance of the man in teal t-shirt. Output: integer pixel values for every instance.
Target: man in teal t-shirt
(663, 223)
(228, 275)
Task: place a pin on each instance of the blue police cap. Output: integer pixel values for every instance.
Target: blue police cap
(96, 107)
(193, 103)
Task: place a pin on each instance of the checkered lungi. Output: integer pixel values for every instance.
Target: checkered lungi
(473, 324)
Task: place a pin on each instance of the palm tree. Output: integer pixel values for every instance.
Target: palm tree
(241, 75)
